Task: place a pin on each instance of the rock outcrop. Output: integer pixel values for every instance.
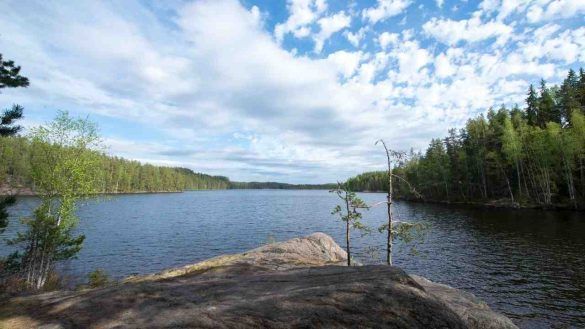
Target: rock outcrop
(293, 284)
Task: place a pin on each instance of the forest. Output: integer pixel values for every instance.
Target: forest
(530, 156)
(117, 175)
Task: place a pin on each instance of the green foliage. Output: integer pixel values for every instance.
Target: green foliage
(63, 170)
(410, 234)
(10, 75)
(98, 278)
(57, 241)
(349, 213)
(4, 204)
(112, 174)
(376, 181)
(7, 121)
(9, 78)
(534, 156)
(65, 165)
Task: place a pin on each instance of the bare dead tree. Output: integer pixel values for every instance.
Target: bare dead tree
(396, 157)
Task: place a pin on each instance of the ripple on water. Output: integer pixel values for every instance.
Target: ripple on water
(526, 264)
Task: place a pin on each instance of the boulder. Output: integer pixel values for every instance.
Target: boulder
(294, 284)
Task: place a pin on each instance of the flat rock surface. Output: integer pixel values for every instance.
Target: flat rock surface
(282, 285)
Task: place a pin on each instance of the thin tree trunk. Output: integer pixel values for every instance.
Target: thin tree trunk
(523, 174)
(519, 179)
(347, 233)
(570, 185)
(582, 170)
(347, 244)
(389, 237)
(510, 189)
(389, 205)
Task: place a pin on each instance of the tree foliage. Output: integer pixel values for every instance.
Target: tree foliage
(64, 169)
(349, 212)
(9, 78)
(530, 156)
(112, 174)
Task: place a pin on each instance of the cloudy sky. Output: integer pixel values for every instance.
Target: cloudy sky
(294, 91)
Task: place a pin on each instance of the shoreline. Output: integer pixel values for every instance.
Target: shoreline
(497, 204)
(31, 193)
(492, 204)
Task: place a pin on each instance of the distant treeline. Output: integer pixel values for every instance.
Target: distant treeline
(116, 174)
(529, 156)
(280, 186)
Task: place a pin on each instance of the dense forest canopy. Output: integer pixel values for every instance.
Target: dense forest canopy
(117, 175)
(529, 156)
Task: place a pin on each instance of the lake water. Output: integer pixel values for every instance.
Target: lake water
(527, 264)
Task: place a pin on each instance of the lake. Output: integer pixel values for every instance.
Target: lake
(527, 264)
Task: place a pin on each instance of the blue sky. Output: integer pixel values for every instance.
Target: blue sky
(295, 91)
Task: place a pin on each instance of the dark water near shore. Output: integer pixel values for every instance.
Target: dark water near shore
(527, 264)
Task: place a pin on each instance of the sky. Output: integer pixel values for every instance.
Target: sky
(294, 91)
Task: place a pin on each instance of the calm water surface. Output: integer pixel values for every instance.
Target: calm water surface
(529, 265)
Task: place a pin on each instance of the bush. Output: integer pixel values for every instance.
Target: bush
(98, 278)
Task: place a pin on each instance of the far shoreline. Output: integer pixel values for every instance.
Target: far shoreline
(492, 204)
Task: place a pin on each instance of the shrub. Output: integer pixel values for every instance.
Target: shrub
(98, 278)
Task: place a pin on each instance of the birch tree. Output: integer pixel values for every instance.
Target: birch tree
(64, 170)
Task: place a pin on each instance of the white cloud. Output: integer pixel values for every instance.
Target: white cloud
(346, 62)
(355, 38)
(443, 67)
(555, 9)
(328, 26)
(387, 39)
(567, 46)
(385, 9)
(504, 8)
(411, 59)
(302, 14)
(213, 90)
(471, 30)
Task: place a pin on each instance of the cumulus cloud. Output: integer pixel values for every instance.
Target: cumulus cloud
(470, 30)
(302, 13)
(387, 39)
(209, 87)
(328, 26)
(385, 9)
(355, 37)
(346, 62)
(555, 9)
(567, 46)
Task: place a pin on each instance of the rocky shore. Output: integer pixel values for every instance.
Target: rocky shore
(300, 283)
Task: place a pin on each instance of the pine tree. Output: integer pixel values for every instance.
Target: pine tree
(531, 106)
(9, 78)
(547, 111)
(568, 100)
(581, 90)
